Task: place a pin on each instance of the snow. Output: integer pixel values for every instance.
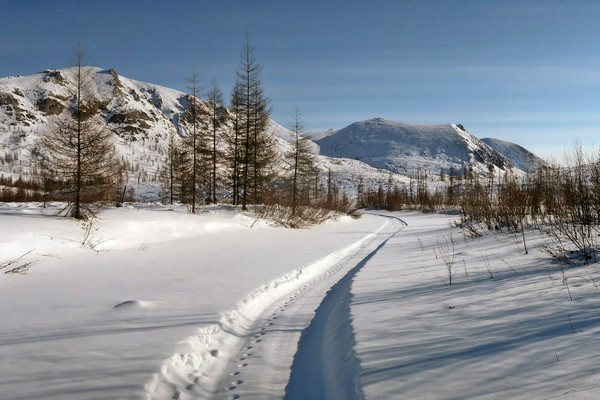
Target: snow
(325, 365)
(60, 326)
(151, 113)
(161, 304)
(519, 156)
(407, 148)
(317, 135)
(481, 338)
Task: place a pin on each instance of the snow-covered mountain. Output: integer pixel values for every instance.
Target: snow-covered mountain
(407, 147)
(317, 135)
(518, 155)
(141, 115)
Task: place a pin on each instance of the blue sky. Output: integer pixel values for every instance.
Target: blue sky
(527, 72)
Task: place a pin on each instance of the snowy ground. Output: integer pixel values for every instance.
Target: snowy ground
(162, 304)
(515, 336)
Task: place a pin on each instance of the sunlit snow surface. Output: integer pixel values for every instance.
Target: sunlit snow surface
(162, 304)
(503, 338)
(61, 335)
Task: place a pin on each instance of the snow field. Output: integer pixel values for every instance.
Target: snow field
(351, 309)
(516, 336)
(97, 324)
(223, 350)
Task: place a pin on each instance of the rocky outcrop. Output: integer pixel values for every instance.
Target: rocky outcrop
(50, 106)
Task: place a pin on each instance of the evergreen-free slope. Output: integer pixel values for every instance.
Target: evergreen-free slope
(518, 155)
(406, 147)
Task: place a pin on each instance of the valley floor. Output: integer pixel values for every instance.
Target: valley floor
(158, 303)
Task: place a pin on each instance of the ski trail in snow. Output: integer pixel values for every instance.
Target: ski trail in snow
(325, 364)
(262, 368)
(212, 362)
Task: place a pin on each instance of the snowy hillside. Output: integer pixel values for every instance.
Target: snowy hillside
(141, 115)
(318, 135)
(406, 147)
(518, 155)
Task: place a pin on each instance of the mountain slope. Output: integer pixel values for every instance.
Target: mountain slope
(318, 135)
(141, 115)
(518, 155)
(406, 147)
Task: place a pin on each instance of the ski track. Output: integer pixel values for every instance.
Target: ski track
(269, 326)
(325, 364)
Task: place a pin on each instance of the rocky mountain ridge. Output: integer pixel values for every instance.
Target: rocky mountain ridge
(407, 148)
(141, 115)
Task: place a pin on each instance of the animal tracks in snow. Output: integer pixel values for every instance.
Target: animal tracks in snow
(218, 361)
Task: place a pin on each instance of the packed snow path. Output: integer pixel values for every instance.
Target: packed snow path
(325, 365)
(248, 355)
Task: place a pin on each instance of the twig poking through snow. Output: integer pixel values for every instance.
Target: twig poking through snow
(16, 260)
(509, 266)
(571, 322)
(486, 261)
(446, 251)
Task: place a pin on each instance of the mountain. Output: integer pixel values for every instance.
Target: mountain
(141, 115)
(519, 156)
(406, 148)
(317, 135)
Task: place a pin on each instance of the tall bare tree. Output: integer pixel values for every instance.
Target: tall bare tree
(217, 118)
(234, 140)
(78, 149)
(301, 160)
(257, 145)
(196, 138)
(168, 174)
(263, 146)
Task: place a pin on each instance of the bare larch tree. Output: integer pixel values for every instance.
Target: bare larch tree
(78, 149)
(196, 135)
(258, 156)
(301, 161)
(217, 118)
